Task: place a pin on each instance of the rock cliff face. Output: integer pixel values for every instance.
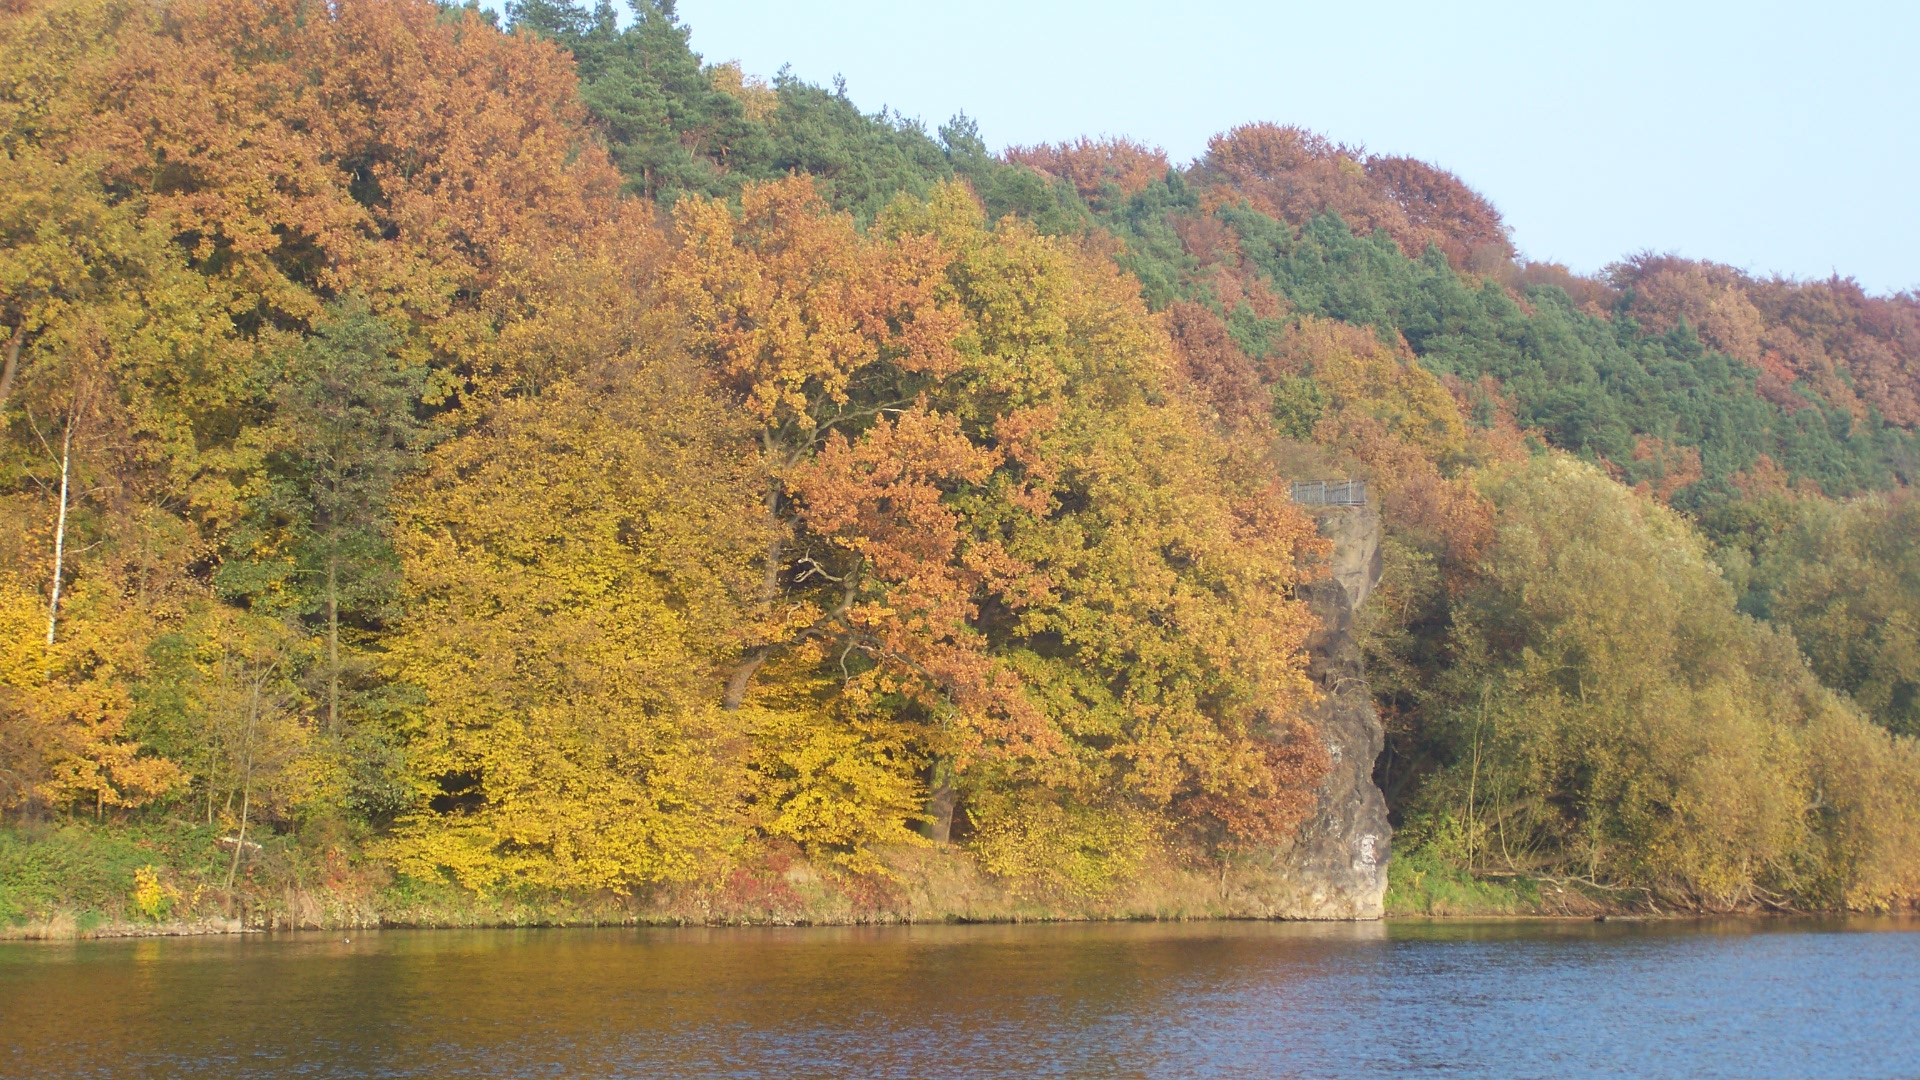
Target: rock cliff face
(1339, 863)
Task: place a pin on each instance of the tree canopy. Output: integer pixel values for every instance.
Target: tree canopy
(528, 456)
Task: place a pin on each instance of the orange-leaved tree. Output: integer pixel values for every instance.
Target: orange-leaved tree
(997, 520)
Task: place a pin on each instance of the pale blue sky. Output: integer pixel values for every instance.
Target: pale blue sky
(1776, 137)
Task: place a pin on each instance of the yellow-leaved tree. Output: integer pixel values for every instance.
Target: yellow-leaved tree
(576, 570)
(1611, 716)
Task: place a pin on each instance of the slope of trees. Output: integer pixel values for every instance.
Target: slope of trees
(1666, 409)
(1606, 713)
(568, 547)
(536, 459)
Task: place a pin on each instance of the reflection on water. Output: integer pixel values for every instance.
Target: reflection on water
(1195, 999)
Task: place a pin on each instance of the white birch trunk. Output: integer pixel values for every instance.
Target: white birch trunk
(60, 534)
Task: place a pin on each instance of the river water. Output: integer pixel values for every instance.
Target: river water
(1773, 998)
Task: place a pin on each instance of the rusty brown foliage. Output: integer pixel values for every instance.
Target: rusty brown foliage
(1665, 467)
(1593, 295)
(1857, 351)
(361, 144)
(1457, 219)
(1297, 175)
(1224, 381)
(1090, 165)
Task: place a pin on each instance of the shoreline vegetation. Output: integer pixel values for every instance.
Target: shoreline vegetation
(131, 890)
(462, 469)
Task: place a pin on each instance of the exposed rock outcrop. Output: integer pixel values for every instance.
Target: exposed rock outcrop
(1340, 858)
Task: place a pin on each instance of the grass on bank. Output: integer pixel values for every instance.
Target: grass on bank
(52, 868)
(131, 873)
(1422, 882)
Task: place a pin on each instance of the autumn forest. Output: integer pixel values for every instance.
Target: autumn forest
(451, 461)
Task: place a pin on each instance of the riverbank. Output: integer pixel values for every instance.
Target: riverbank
(71, 882)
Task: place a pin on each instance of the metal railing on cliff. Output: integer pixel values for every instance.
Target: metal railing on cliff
(1330, 492)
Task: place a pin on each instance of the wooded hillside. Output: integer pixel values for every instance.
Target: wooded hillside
(526, 456)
